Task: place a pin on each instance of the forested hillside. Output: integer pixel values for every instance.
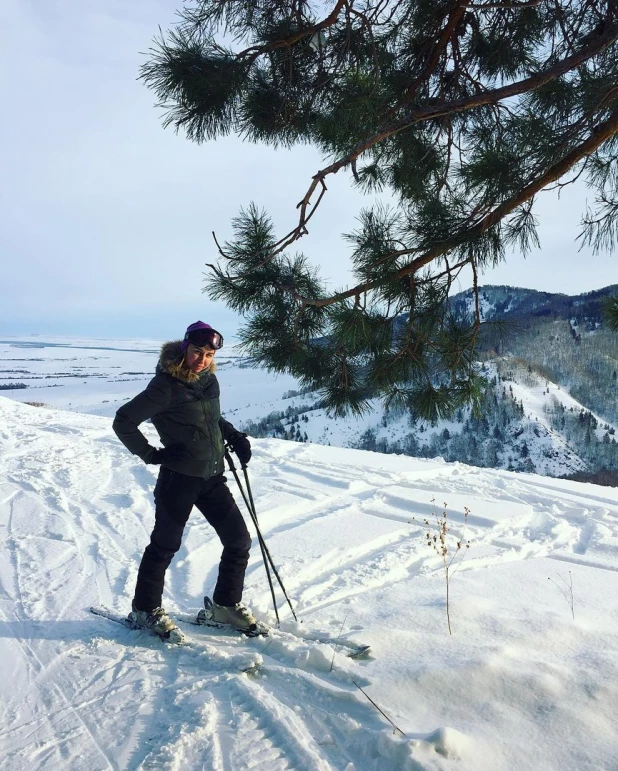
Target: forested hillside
(517, 304)
(551, 405)
(581, 357)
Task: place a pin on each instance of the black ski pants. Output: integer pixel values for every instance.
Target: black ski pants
(175, 495)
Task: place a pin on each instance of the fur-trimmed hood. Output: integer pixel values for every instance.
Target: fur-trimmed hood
(172, 361)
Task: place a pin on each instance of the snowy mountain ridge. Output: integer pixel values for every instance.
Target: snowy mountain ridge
(499, 302)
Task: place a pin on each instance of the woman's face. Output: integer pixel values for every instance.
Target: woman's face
(198, 359)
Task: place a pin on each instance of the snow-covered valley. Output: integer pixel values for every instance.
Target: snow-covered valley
(520, 683)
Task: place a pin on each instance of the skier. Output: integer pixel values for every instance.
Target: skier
(183, 402)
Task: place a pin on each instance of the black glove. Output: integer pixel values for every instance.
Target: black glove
(241, 446)
(174, 452)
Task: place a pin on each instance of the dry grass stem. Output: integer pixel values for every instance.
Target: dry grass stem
(450, 548)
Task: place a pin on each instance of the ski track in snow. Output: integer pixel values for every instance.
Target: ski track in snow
(76, 512)
(565, 533)
(60, 529)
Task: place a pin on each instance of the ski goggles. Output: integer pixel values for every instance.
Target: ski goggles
(203, 337)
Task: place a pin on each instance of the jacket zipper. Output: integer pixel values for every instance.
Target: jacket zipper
(213, 467)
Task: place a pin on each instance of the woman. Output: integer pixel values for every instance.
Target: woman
(182, 400)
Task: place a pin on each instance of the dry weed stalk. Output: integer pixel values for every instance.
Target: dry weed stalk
(567, 592)
(450, 555)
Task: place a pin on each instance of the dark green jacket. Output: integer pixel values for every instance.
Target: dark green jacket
(184, 408)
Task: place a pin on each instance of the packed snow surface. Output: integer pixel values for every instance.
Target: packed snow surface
(527, 680)
(519, 684)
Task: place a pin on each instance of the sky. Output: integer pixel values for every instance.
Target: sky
(106, 218)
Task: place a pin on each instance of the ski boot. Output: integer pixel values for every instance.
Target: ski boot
(157, 621)
(237, 616)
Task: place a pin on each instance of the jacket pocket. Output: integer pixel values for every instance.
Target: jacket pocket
(201, 446)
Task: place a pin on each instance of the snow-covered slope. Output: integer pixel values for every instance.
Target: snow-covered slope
(519, 684)
(548, 450)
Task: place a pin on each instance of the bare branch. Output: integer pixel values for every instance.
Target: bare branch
(599, 134)
(221, 252)
(514, 5)
(455, 17)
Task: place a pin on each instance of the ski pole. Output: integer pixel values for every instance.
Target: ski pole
(272, 564)
(261, 541)
(263, 546)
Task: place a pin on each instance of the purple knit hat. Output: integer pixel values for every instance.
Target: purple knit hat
(191, 328)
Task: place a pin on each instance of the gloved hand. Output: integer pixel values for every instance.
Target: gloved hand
(241, 446)
(174, 452)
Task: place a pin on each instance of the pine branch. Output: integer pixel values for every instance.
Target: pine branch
(252, 53)
(454, 19)
(599, 135)
(431, 112)
(463, 111)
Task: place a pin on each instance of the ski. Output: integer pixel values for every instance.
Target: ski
(261, 629)
(249, 667)
(352, 650)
